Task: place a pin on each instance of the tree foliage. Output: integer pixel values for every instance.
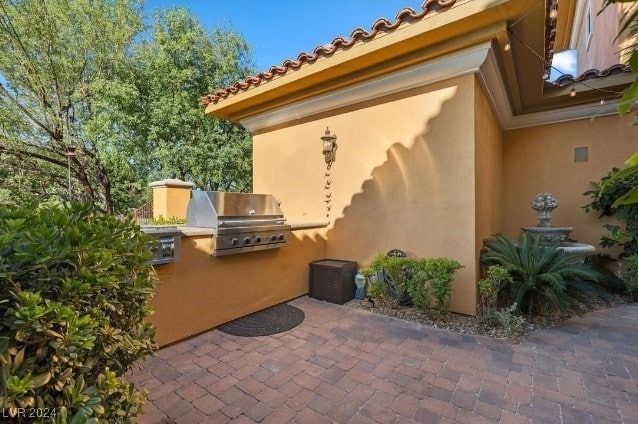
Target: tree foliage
(604, 196)
(153, 109)
(84, 74)
(53, 58)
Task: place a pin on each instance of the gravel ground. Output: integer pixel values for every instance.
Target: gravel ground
(477, 326)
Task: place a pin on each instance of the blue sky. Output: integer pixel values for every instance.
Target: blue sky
(281, 29)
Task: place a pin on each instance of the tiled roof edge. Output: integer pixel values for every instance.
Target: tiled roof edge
(380, 25)
(616, 69)
(550, 36)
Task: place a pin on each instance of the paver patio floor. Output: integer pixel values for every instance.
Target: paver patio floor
(343, 365)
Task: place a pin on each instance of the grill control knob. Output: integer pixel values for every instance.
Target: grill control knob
(234, 241)
(273, 238)
(247, 240)
(280, 237)
(257, 239)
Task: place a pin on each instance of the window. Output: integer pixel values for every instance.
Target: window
(581, 154)
(589, 25)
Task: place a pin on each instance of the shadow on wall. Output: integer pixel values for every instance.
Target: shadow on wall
(420, 199)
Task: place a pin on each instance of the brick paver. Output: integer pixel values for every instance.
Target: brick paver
(347, 366)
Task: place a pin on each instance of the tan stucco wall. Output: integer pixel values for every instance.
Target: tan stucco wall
(170, 202)
(602, 49)
(200, 292)
(540, 159)
(489, 171)
(403, 177)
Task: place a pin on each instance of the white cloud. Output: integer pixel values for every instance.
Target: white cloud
(565, 62)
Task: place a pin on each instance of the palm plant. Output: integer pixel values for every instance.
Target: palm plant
(540, 272)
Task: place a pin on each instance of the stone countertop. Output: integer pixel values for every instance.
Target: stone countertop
(187, 231)
(308, 225)
(196, 231)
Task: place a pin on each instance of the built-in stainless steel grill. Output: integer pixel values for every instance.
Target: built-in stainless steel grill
(242, 222)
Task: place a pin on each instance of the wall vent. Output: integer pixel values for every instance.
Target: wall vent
(581, 154)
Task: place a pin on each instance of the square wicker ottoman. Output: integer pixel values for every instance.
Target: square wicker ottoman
(332, 280)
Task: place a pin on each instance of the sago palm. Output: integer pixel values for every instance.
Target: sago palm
(540, 273)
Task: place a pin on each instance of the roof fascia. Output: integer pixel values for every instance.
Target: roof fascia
(443, 68)
(480, 60)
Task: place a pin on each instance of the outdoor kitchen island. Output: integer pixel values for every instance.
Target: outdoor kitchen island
(200, 291)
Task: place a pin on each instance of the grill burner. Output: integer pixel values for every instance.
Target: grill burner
(242, 222)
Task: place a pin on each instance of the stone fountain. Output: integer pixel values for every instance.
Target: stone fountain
(544, 204)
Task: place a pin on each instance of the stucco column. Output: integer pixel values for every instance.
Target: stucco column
(170, 198)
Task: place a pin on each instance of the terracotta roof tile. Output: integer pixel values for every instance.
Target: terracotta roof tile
(550, 36)
(567, 79)
(380, 25)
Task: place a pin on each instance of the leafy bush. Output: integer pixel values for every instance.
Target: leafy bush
(497, 280)
(603, 194)
(629, 276)
(393, 271)
(431, 282)
(425, 282)
(73, 300)
(539, 272)
(171, 220)
(378, 290)
(509, 319)
(489, 288)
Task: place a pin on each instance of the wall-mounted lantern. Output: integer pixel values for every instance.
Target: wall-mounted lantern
(329, 147)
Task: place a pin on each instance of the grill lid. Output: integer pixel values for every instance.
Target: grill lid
(216, 209)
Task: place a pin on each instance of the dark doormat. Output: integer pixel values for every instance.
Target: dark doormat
(273, 320)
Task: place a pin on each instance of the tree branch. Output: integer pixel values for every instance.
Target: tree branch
(24, 154)
(27, 113)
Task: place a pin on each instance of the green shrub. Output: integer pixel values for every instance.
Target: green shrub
(395, 269)
(428, 282)
(171, 220)
(74, 295)
(630, 276)
(540, 272)
(490, 287)
(625, 236)
(508, 319)
(431, 282)
(418, 284)
(378, 290)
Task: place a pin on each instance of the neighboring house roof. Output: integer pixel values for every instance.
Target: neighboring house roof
(380, 25)
(590, 74)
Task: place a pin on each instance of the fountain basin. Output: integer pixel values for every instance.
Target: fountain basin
(550, 234)
(574, 247)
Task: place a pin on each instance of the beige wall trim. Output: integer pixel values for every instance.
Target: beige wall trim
(591, 110)
(453, 65)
